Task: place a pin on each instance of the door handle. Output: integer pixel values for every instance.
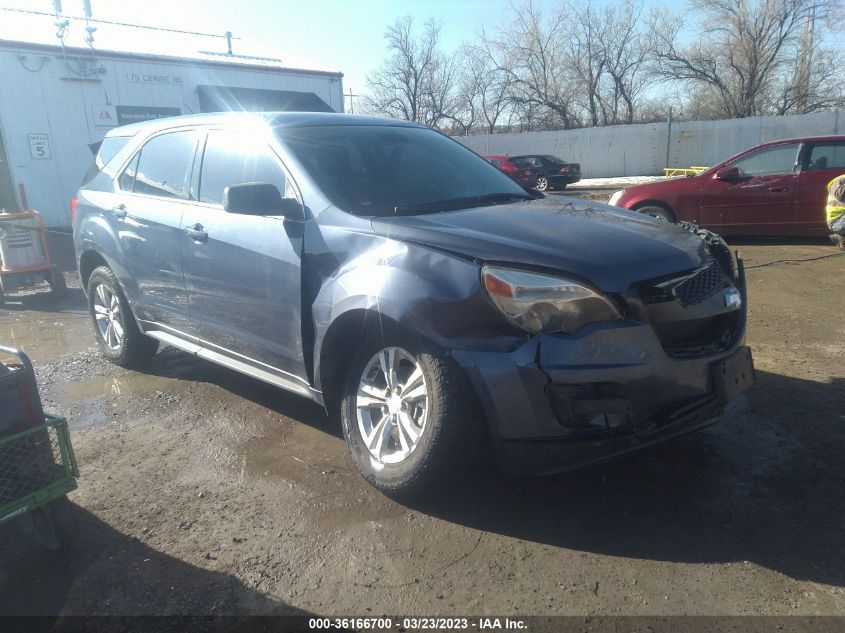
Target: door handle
(119, 211)
(197, 232)
(778, 189)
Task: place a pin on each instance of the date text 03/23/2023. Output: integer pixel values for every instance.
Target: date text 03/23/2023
(418, 623)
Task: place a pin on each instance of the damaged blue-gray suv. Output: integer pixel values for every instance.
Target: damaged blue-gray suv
(387, 272)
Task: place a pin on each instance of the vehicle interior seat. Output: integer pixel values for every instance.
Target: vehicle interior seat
(819, 164)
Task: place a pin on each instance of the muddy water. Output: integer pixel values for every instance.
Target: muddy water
(44, 336)
(96, 388)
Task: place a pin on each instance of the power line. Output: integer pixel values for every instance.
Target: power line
(113, 22)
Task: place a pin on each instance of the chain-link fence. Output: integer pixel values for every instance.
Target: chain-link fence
(35, 465)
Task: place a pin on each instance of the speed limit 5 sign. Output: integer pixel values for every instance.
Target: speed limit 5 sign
(39, 146)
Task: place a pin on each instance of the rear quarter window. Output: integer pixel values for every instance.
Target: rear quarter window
(109, 148)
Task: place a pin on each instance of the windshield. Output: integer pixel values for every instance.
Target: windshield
(384, 170)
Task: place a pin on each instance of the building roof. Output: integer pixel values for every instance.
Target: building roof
(30, 30)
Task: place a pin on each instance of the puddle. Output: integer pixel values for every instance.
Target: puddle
(94, 414)
(293, 451)
(103, 387)
(45, 337)
(95, 401)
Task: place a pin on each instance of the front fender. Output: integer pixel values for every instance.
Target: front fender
(433, 294)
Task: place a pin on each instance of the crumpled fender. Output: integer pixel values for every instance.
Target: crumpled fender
(429, 292)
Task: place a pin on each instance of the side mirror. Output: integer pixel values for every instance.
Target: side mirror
(727, 173)
(260, 198)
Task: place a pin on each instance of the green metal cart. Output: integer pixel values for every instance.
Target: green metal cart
(37, 464)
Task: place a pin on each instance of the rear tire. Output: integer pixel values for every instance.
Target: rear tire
(658, 212)
(450, 415)
(115, 328)
(543, 184)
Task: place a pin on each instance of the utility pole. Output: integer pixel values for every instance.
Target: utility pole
(668, 136)
(351, 103)
(805, 61)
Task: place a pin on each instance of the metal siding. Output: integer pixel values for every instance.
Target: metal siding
(640, 150)
(42, 102)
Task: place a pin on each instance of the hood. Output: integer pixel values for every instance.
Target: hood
(609, 247)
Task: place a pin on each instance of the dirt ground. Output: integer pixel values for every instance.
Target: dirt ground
(206, 492)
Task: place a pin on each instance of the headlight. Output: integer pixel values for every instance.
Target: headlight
(615, 197)
(542, 303)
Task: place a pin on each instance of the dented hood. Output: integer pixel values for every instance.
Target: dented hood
(609, 247)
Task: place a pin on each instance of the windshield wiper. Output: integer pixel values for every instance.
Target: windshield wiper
(461, 203)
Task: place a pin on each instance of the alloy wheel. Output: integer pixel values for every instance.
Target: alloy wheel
(542, 184)
(392, 405)
(108, 316)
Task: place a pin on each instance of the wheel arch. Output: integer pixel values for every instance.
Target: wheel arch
(340, 342)
(654, 203)
(88, 261)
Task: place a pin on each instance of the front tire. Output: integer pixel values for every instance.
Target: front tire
(115, 329)
(658, 212)
(407, 412)
(543, 184)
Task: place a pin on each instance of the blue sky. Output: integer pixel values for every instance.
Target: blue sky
(344, 35)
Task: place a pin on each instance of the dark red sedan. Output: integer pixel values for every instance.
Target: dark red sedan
(777, 188)
(525, 176)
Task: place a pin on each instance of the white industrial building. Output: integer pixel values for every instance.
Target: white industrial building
(59, 96)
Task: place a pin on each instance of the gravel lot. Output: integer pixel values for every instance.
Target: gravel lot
(206, 492)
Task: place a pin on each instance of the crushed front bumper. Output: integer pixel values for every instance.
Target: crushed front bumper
(558, 403)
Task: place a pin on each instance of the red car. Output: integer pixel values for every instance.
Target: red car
(525, 176)
(776, 188)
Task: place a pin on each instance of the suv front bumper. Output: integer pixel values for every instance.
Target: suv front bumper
(560, 402)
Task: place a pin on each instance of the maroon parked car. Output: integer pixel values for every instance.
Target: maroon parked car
(525, 176)
(777, 188)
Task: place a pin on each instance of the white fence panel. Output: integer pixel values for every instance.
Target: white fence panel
(641, 150)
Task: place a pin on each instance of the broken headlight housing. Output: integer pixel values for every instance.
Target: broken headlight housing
(536, 302)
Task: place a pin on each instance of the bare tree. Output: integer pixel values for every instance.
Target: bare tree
(485, 88)
(819, 86)
(416, 81)
(530, 51)
(564, 65)
(627, 61)
(584, 44)
(743, 51)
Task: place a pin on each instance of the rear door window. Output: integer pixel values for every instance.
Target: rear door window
(164, 167)
(230, 159)
(826, 156)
